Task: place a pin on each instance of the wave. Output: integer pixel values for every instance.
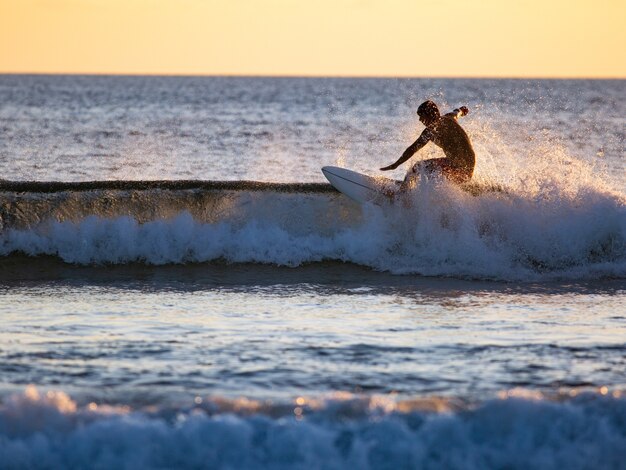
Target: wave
(518, 430)
(436, 230)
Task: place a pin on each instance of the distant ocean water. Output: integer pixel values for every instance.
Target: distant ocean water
(239, 313)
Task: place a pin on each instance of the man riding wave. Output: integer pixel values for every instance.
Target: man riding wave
(444, 131)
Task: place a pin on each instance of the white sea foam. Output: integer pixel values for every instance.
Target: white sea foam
(52, 431)
(437, 229)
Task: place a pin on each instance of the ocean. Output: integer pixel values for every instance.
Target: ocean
(181, 288)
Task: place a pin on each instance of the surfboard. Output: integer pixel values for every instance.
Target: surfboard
(359, 187)
(380, 190)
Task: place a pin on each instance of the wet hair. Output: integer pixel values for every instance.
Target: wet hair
(428, 109)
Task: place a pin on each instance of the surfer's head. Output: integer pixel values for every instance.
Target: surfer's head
(428, 112)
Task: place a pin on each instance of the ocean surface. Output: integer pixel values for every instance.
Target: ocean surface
(181, 288)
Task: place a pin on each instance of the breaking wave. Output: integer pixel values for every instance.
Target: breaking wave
(435, 230)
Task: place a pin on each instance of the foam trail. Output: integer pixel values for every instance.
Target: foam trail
(557, 219)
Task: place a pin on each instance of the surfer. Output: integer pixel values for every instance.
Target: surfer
(444, 131)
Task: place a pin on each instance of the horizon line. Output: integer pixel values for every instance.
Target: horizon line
(340, 76)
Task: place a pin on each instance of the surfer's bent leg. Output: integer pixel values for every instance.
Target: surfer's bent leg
(437, 167)
(432, 167)
(425, 167)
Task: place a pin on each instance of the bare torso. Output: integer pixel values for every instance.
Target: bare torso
(446, 133)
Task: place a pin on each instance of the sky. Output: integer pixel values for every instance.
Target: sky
(405, 38)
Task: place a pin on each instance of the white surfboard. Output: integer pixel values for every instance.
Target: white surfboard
(360, 187)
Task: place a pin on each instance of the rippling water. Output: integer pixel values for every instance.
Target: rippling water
(165, 334)
(73, 128)
(240, 325)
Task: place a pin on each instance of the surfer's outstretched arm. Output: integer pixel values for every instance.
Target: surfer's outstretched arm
(458, 112)
(422, 140)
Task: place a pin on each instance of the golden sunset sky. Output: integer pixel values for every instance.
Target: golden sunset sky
(420, 38)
